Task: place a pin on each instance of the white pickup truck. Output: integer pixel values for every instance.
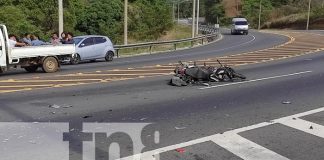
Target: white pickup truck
(48, 57)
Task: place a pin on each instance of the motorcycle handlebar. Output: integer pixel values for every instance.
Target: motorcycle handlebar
(219, 62)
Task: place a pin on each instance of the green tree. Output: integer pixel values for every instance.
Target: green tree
(101, 17)
(251, 10)
(16, 21)
(214, 11)
(149, 18)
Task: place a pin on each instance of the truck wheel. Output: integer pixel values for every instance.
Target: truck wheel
(109, 56)
(50, 65)
(31, 69)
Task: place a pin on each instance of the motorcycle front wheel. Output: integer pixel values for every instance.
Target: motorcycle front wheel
(238, 75)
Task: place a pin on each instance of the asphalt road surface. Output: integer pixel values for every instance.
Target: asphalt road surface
(277, 113)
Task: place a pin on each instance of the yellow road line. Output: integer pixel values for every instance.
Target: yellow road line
(48, 80)
(138, 70)
(113, 74)
(31, 85)
(10, 91)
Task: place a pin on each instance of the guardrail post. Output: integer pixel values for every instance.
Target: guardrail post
(192, 43)
(175, 46)
(117, 52)
(150, 49)
(202, 41)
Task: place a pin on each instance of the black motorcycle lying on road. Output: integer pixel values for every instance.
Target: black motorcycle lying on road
(185, 74)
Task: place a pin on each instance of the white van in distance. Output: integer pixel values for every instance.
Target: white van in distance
(240, 26)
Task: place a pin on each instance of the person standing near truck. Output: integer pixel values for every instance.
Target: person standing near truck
(13, 41)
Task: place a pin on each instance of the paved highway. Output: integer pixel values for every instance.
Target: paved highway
(276, 114)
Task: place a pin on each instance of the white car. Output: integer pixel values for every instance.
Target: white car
(93, 47)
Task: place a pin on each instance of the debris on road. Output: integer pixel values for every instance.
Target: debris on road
(180, 128)
(54, 106)
(286, 102)
(180, 150)
(67, 106)
(85, 117)
(142, 119)
(58, 106)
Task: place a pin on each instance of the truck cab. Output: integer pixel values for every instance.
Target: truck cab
(3, 46)
(240, 26)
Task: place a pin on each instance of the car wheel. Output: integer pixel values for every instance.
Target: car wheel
(75, 59)
(109, 56)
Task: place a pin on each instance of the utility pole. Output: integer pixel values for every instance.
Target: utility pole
(260, 11)
(193, 18)
(178, 12)
(309, 8)
(197, 24)
(173, 11)
(60, 11)
(237, 8)
(125, 22)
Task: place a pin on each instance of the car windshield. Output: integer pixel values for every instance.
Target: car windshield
(77, 40)
(241, 23)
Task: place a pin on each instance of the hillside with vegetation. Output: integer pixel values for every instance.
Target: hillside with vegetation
(148, 19)
(278, 13)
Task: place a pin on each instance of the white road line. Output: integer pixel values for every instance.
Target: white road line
(302, 114)
(305, 126)
(246, 149)
(256, 80)
(238, 145)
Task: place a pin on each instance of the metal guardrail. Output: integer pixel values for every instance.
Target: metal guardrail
(210, 34)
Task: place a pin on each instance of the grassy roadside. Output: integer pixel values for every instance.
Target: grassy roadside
(178, 32)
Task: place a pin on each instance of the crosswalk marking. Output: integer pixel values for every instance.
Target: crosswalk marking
(305, 126)
(240, 146)
(246, 149)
